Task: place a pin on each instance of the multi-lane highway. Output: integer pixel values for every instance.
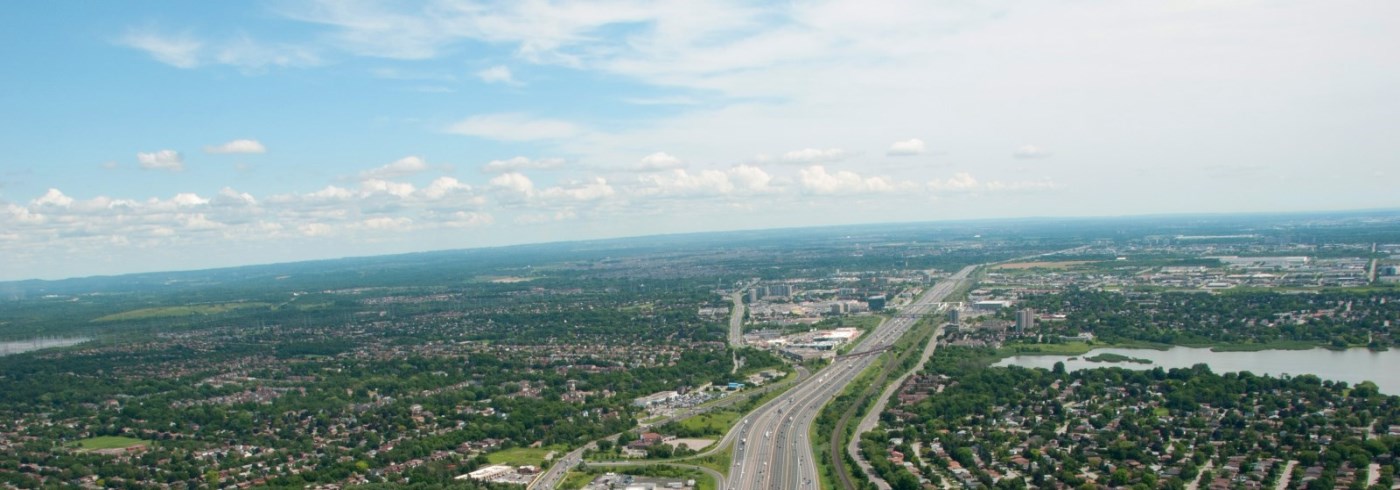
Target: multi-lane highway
(771, 447)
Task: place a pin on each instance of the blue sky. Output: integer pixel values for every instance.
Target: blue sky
(148, 136)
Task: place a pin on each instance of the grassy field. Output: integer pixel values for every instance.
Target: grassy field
(712, 423)
(575, 480)
(178, 311)
(719, 461)
(108, 442)
(518, 456)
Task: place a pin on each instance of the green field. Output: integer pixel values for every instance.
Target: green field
(712, 423)
(575, 480)
(108, 442)
(178, 311)
(519, 456)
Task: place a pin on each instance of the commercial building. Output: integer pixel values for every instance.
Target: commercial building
(990, 305)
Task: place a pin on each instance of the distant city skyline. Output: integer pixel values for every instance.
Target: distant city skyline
(145, 137)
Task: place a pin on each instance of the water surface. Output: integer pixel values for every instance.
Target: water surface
(18, 346)
(1351, 365)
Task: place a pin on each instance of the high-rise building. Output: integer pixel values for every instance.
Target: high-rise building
(876, 302)
(954, 315)
(780, 290)
(753, 295)
(1025, 320)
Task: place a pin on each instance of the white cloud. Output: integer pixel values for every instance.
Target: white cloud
(188, 199)
(524, 189)
(386, 223)
(912, 146)
(243, 146)
(379, 186)
(682, 183)
(659, 161)
(315, 229)
(53, 197)
(405, 166)
(253, 56)
(521, 163)
(515, 182)
(161, 160)
(443, 186)
(742, 179)
(232, 198)
(591, 190)
(497, 74)
(185, 51)
(960, 181)
(965, 182)
(815, 179)
(331, 193)
(813, 155)
(179, 51)
(467, 219)
(750, 177)
(1030, 152)
(513, 127)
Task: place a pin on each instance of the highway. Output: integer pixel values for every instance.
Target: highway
(555, 475)
(736, 319)
(771, 449)
(736, 326)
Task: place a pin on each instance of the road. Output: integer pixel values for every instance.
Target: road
(736, 319)
(736, 325)
(772, 451)
(552, 477)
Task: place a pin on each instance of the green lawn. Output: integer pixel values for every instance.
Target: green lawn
(518, 456)
(108, 442)
(712, 423)
(575, 480)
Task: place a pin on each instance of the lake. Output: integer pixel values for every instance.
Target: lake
(18, 346)
(1351, 365)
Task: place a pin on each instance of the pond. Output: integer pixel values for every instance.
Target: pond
(17, 346)
(1351, 365)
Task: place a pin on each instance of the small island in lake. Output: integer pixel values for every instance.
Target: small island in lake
(1111, 357)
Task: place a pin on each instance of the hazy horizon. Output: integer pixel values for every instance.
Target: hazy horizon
(150, 137)
(1345, 213)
